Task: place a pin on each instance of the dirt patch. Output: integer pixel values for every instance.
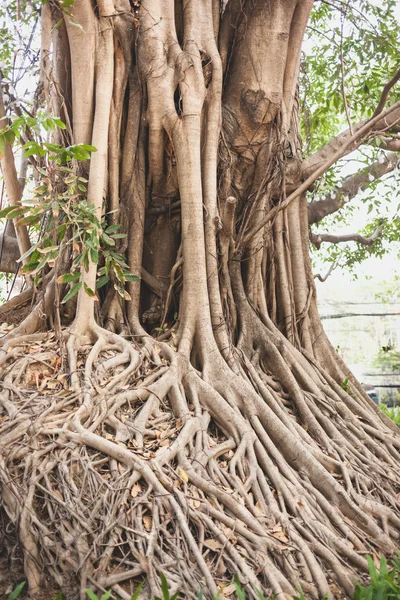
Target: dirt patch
(11, 562)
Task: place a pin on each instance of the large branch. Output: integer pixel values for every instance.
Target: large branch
(318, 238)
(351, 186)
(386, 123)
(348, 144)
(392, 144)
(12, 185)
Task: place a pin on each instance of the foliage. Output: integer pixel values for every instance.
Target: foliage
(60, 209)
(350, 50)
(387, 359)
(15, 593)
(393, 413)
(384, 584)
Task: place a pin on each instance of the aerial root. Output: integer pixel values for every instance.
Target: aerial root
(137, 466)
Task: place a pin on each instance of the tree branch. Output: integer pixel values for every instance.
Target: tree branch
(351, 186)
(349, 143)
(392, 144)
(322, 155)
(323, 278)
(13, 188)
(390, 118)
(318, 238)
(385, 94)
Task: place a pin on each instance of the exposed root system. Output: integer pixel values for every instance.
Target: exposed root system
(236, 443)
(138, 465)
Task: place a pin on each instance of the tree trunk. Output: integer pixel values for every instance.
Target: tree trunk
(211, 430)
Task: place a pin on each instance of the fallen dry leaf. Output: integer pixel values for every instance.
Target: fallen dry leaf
(213, 544)
(228, 590)
(280, 535)
(183, 475)
(136, 489)
(148, 521)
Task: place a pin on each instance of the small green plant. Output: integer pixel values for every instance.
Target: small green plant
(384, 584)
(106, 595)
(345, 385)
(60, 212)
(94, 596)
(392, 413)
(15, 593)
(165, 590)
(301, 595)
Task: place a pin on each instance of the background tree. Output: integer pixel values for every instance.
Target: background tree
(192, 421)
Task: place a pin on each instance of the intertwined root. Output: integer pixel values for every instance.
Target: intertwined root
(134, 464)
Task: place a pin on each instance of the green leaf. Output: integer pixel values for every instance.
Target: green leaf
(68, 277)
(59, 596)
(91, 594)
(30, 219)
(29, 268)
(85, 259)
(123, 293)
(58, 121)
(119, 236)
(18, 211)
(107, 239)
(2, 144)
(47, 249)
(48, 124)
(119, 273)
(89, 291)
(239, 591)
(74, 290)
(10, 136)
(31, 148)
(94, 255)
(4, 212)
(88, 147)
(57, 25)
(130, 277)
(77, 152)
(113, 228)
(135, 596)
(28, 253)
(164, 587)
(102, 281)
(372, 570)
(106, 595)
(383, 569)
(17, 591)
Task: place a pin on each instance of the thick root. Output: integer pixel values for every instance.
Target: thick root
(120, 467)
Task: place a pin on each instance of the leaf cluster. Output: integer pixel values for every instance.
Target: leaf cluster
(60, 213)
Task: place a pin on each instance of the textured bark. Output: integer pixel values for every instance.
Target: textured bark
(209, 427)
(13, 187)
